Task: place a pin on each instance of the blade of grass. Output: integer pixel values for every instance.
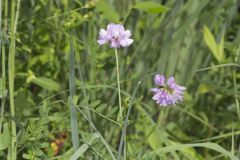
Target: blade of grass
(236, 93)
(221, 136)
(219, 157)
(101, 115)
(3, 64)
(219, 66)
(84, 90)
(73, 115)
(180, 147)
(233, 149)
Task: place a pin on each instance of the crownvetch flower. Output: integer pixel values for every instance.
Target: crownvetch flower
(116, 35)
(168, 93)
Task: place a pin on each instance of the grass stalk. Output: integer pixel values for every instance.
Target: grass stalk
(235, 85)
(160, 117)
(233, 140)
(3, 73)
(118, 84)
(12, 151)
(73, 111)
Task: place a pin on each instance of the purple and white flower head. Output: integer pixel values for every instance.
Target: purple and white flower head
(168, 93)
(116, 35)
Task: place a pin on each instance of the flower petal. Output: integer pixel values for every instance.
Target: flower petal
(114, 44)
(120, 28)
(155, 90)
(127, 34)
(102, 41)
(171, 82)
(159, 79)
(126, 42)
(103, 33)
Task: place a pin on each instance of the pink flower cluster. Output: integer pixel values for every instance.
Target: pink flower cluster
(116, 35)
(168, 93)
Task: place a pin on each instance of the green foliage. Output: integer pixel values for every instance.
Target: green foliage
(83, 148)
(34, 135)
(196, 41)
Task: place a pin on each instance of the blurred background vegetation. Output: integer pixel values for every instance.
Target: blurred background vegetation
(196, 41)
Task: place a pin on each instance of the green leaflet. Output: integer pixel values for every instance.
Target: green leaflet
(216, 49)
(5, 137)
(47, 83)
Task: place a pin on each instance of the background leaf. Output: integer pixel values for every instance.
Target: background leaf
(151, 7)
(5, 137)
(216, 49)
(107, 10)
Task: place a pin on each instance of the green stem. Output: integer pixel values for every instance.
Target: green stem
(12, 153)
(118, 83)
(88, 108)
(235, 85)
(3, 73)
(236, 95)
(160, 116)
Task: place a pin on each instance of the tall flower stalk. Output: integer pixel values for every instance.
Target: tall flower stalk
(118, 37)
(118, 84)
